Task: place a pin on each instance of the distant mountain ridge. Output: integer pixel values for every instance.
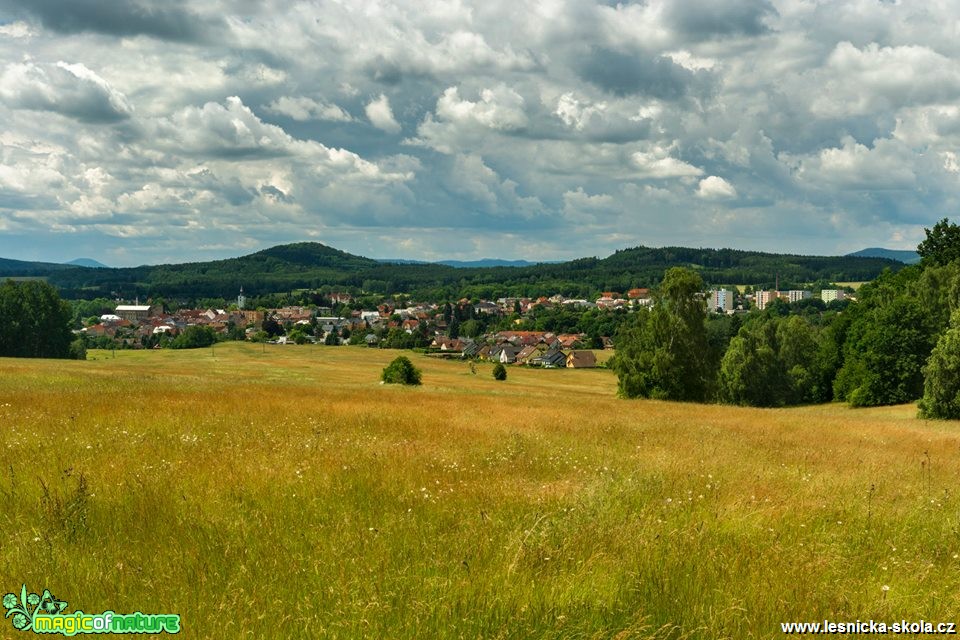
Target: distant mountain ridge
(87, 262)
(900, 255)
(312, 266)
(470, 264)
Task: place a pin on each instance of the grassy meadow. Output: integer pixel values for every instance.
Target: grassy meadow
(281, 491)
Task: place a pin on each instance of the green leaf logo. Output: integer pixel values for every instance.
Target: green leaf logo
(24, 609)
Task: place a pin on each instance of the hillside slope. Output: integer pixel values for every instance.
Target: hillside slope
(313, 265)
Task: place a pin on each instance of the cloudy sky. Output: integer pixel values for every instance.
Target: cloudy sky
(146, 131)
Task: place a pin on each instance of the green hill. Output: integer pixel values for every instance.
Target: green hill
(314, 265)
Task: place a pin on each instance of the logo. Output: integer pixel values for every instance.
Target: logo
(44, 613)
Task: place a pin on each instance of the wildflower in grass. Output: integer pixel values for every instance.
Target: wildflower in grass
(33, 599)
(9, 601)
(885, 588)
(20, 621)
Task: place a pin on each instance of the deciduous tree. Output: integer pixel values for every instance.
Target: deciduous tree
(941, 387)
(664, 353)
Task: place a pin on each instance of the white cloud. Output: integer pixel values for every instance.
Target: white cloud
(18, 29)
(715, 188)
(854, 166)
(461, 124)
(302, 109)
(657, 163)
(576, 114)
(471, 177)
(859, 81)
(381, 115)
(500, 109)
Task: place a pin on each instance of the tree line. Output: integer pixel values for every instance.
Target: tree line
(35, 322)
(899, 343)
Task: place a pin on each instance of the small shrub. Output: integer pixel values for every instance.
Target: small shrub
(499, 372)
(78, 350)
(401, 371)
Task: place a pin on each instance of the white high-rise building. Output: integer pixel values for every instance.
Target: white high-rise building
(829, 295)
(795, 295)
(721, 299)
(763, 298)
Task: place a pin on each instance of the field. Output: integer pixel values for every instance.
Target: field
(280, 492)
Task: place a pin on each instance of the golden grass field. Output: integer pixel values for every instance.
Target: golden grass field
(281, 492)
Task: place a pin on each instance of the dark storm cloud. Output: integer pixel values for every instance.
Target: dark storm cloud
(624, 74)
(384, 71)
(702, 19)
(167, 20)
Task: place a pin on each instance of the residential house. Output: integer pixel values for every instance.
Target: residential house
(610, 300)
(579, 302)
(471, 350)
(504, 353)
(529, 352)
(572, 340)
(488, 308)
(554, 358)
(581, 359)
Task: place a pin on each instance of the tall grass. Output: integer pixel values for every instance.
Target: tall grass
(282, 492)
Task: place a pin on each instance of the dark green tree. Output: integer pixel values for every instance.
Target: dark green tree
(297, 335)
(941, 386)
(194, 337)
(401, 371)
(798, 352)
(272, 327)
(884, 355)
(471, 328)
(664, 353)
(78, 349)
(499, 372)
(34, 321)
(942, 244)
(751, 372)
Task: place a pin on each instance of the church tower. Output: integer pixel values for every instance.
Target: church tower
(241, 300)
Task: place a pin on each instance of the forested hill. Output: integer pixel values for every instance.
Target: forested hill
(314, 265)
(22, 268)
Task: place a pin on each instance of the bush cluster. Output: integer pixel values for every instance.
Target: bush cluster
(401, 371)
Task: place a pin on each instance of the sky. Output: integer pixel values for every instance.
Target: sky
(144, 132)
